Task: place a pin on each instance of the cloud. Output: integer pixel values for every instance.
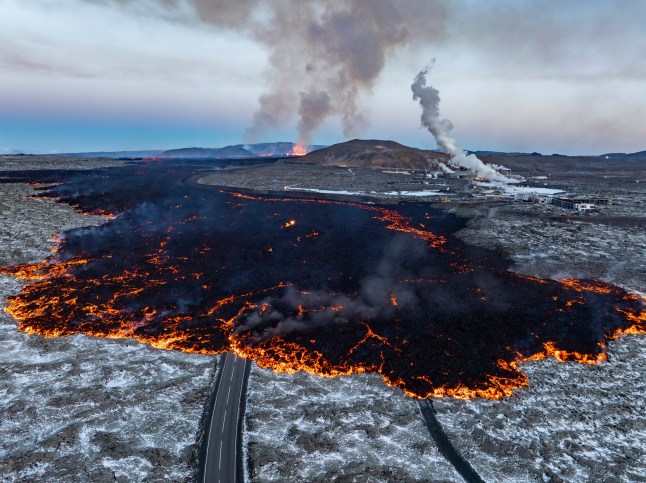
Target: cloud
(304, 63)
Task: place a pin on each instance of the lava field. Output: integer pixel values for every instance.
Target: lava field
(328, 287)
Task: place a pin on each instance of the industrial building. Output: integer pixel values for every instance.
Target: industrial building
(579, 204)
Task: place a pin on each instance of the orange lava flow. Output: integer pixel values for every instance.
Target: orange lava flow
(291, 357)
(277, 354)
(40, 270)
(103, 213)
(70, 296)
(299, 150)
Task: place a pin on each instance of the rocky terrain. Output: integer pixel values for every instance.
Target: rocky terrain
(572, 423)
(297, 179)
(28, 162)
(345, 429)
(552, 248)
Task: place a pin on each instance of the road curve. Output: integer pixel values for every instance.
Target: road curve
(221, 458)
(445, 446)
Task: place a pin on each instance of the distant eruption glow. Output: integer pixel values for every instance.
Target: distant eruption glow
(299, 150)
(294, 285)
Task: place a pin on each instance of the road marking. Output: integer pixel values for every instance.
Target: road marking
(235, 447)
(231, 363)
(208, 441)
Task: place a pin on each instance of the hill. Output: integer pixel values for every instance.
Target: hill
(149, 153)
(209, 153)
(234, 151)
(641, 155)
(276, 149)
(373, 153)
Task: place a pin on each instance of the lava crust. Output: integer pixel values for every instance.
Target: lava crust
(327, 287)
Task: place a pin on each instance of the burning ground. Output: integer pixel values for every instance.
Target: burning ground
(330, 288)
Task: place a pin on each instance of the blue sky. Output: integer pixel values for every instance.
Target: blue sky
(549, 76)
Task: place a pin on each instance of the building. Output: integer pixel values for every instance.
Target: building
(533, 198)
(578, 204)
(460, 175)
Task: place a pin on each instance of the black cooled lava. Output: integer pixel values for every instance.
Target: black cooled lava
(324, 286)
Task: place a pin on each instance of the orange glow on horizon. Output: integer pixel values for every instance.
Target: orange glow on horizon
(299, 150)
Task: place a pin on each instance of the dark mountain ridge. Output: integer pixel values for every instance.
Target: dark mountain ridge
(374, 153)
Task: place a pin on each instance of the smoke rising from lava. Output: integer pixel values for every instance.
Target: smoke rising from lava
(429, 100)
(322, 55)
(302, 311)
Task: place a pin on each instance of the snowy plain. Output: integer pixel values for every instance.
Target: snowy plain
(306, 428)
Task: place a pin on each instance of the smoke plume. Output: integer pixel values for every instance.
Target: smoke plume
(378, 297)
(340, 48)
(323, 56)
(429, 99)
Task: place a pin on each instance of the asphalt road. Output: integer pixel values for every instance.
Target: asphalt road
(221, 461)
(445, 446)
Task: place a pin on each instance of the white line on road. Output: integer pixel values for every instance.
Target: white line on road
(220, 462)
(228, 394)
(208, 441)
(235, 448)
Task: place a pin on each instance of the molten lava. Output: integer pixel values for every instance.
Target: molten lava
(349, 288)
(299, 150)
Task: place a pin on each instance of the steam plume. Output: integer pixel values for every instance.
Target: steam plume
(429, 99)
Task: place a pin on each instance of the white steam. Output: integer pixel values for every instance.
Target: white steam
(429, 99)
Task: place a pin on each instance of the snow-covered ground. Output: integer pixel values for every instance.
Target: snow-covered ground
(512, 189)
(422, 193)
(415, 193)
(573, 423)
(327, 192)
(552, 248)
(81, 408)
(306, 428)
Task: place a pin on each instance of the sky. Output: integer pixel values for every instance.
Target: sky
(551, 76)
